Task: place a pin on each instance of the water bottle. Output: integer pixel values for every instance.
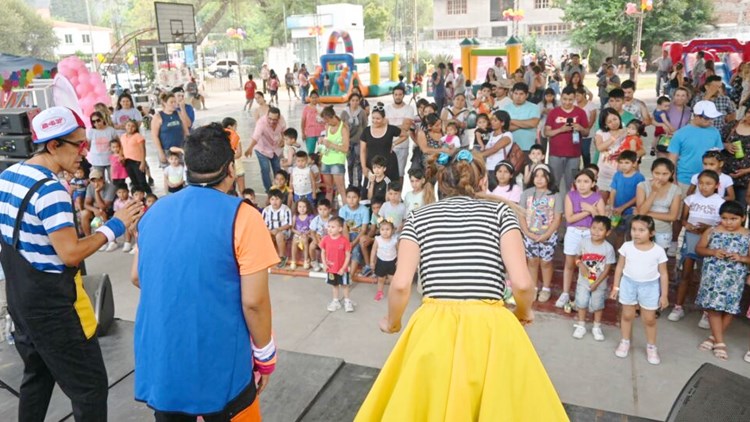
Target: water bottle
(9, 330)
(738, 151)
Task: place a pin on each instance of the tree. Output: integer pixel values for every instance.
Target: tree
(376, 20)
(24, 33)
(69, 10)
(597, 21)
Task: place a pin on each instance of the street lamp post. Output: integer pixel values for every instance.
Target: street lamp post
(631, 9)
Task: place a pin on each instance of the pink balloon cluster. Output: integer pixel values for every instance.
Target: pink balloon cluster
(89, 86)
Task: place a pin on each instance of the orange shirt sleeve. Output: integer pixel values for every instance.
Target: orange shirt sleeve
(253, 246)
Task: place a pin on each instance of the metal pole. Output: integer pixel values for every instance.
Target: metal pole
(283, 10)
(91, 38)
(637, 51)
(416, 42)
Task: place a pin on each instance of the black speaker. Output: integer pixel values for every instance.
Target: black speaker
(713, 394)
(19, 146)
(7, 162)
(17, 121)
(99, 289)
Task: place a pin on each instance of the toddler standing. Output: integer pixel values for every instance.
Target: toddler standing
(123, 197)
(335, 256)
(116, 162)
(78, 184)
(174, 173)
(641, 279)
(384, 252)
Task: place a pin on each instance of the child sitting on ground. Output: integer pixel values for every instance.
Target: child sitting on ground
(378, 181)
(335, 252)
(384, 252)
(288, 153)
(278, 219)
(302, 179)
(594, 260)
(301, 229)
(318, 229)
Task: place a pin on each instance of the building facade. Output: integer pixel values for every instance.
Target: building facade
(456, 19)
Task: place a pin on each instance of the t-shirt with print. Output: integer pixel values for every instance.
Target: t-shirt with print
(320, 225)
(625, 188)
(275, 218)
(302, 180)
(121, 116)
(336, 250)
(561, 145)
(355, 218)
(413, 200)
(541, 208)
(525, 138)
(595, 258)
(393, 213)
(704, 210)
(99, 151)
(725, 181)
(380, 188)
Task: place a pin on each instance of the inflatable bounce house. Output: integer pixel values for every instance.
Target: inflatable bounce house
(470, 54)
(341, 70)
(736, 53)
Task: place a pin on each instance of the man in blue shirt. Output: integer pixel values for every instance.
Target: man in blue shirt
(690, 143)
(524, 117)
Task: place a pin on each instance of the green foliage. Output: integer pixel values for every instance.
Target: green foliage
(376, 20)
(69, 10)
(24, 33)
(530, 43)
(597, 21)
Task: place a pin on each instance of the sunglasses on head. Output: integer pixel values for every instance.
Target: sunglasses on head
(378, 108)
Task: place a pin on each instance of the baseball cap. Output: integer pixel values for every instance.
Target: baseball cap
(96, 174)
(505, 83)
(53, 123)
(707, 110)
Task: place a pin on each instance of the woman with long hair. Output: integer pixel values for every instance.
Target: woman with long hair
(355, 119)
(335, 145)
(576, 81)
(169, 127)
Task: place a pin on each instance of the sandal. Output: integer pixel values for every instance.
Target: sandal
(720, 351)
(747, 356)
(707, 345)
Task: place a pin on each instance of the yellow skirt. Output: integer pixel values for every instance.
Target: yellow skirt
(463, 361)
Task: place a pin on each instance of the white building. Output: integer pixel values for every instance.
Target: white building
(457, 19)
(75, 37)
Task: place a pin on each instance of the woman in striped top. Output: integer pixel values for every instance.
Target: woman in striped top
(463, 355)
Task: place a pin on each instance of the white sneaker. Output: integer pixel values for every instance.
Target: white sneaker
(562, 300)
(676, 314)
(622, 349)
(335, 305)
(111, 246)
(127, 247)
(132, 251)
(597, 332)
(652, 355)
(580, 330)
(316, 266)
(703, 323)
(348, 305)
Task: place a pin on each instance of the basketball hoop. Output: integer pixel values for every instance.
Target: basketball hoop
(175, 23)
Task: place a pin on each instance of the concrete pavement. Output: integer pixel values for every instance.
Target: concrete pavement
(585, 372)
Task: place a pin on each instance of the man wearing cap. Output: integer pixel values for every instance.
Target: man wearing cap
(40, 252)
(692, 141)
(714, 92)
(203, 323)
(100, 195)
(502, 99)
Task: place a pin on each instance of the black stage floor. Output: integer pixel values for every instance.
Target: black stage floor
(304, 387)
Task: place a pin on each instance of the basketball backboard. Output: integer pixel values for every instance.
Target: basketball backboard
(175, 23)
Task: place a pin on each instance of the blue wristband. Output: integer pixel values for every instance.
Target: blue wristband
(117, 226)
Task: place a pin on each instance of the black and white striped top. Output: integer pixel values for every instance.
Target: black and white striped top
(459, 239)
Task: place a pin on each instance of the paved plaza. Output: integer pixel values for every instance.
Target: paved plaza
(585, 372)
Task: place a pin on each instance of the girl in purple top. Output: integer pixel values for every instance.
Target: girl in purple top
(301, 229)
(582, 203)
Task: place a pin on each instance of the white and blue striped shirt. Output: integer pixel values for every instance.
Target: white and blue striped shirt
(50, 210)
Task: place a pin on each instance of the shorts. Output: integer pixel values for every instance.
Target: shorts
(385, 268)
(543, 250)
(239, 167)
(573, 238)
(334, 279)
(688, 246)
(333, 169)
(78, 194)
(356, 250)
(664, 240)
(287, 233)
(586, 299)
(308, 196)
(644, 293)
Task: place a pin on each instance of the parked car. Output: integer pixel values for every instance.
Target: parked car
(223, 68)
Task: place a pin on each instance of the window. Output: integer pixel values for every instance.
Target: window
(497, 7)
(454, 34)
(68, 39)
(541, 4)
(86, 38)
(457, 7)
(499, 31)
(549, 29)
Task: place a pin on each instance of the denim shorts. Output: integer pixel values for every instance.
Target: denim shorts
(356, 250)
(688, 246)
(573, 238)
(664, 240)
(644, 293)
(586, 299)
(308, 196)
(333, 169)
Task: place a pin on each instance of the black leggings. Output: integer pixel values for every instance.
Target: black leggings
(137, 177)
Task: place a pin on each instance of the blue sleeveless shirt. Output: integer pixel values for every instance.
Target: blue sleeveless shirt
(192, 345)
(170, 131)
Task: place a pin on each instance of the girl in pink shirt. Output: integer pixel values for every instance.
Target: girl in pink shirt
(312, 123)
(117, 162)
